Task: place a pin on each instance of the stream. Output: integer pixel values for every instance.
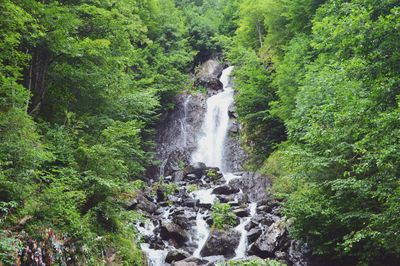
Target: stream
(179, 231)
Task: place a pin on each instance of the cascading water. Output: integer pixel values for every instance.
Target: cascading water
(210, 147)
(210, 151)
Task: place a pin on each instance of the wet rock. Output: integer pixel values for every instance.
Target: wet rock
(177, 176)
(271, 240)
(191, 203)
(233, 127)
(225, 190)
(253, 234)
(176, 255)
(241, 212)
(191, 177)
(226, 198)
(253, 185)
(191, 261)
(205, 205)
(141, 202)
(171, 230)
(207, 75)
(182, 221)
(197, 168)
(156, 243)
(221, 242)
(298, 253)
(174, 146)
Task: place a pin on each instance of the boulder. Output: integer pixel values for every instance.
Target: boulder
(182, 221)
(142, 202)
(177, 176)
(191, 261)
(253, 234)
(226, 198)
(221, 242)
(225, 190)
(273, 239)
(176, 255)
(241, 212)
(207, 75)
(172, 231)
(253, 185)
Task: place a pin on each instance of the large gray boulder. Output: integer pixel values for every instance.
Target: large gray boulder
(176, 255)
(221, 242)
(253, 185)
(142, 202)
(174, 232)
(208, 74)
(273, 239)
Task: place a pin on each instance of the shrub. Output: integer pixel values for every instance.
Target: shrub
(222, 215)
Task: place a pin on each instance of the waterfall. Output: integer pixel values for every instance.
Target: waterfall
(210, 146)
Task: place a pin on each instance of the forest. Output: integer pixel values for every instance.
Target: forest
(84, 83)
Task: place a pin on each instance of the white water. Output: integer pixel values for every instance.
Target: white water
(202, 231)
(240, 251)
(210, 148)
(154, 257)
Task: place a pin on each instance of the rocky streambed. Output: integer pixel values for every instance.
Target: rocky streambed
(179, 230)
(201, 161)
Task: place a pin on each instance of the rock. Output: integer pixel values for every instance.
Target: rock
(271, 240)
(182, 221)
(171, 230)
(141, 202)
(221, 242)
(177, 176)
(191, 177)
(191, 203)
(225, 190)
(232, 111)
(233, 127)
(253, 185)
(226, 198)
(298, 253)
(176, 255)
(174, 146)
(191, 261)
(205, 205)
(253, 234)
(207, 75)
(241, 212)
(197, 168)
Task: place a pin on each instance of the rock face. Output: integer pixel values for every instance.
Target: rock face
(253, 185)
(176, 135)
(208, 76)
(221, 242)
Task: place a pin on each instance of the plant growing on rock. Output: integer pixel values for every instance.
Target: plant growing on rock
(192, 188)
(222, 215)
(253, 262)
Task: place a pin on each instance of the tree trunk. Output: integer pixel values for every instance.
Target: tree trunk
(35, 78)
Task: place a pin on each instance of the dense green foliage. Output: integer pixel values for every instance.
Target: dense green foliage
(328, 72)
(222, 215)
(81, 84)
(253, 262)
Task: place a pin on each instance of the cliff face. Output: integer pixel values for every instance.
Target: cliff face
(179, 129)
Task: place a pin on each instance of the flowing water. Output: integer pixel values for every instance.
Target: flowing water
(210, 150)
